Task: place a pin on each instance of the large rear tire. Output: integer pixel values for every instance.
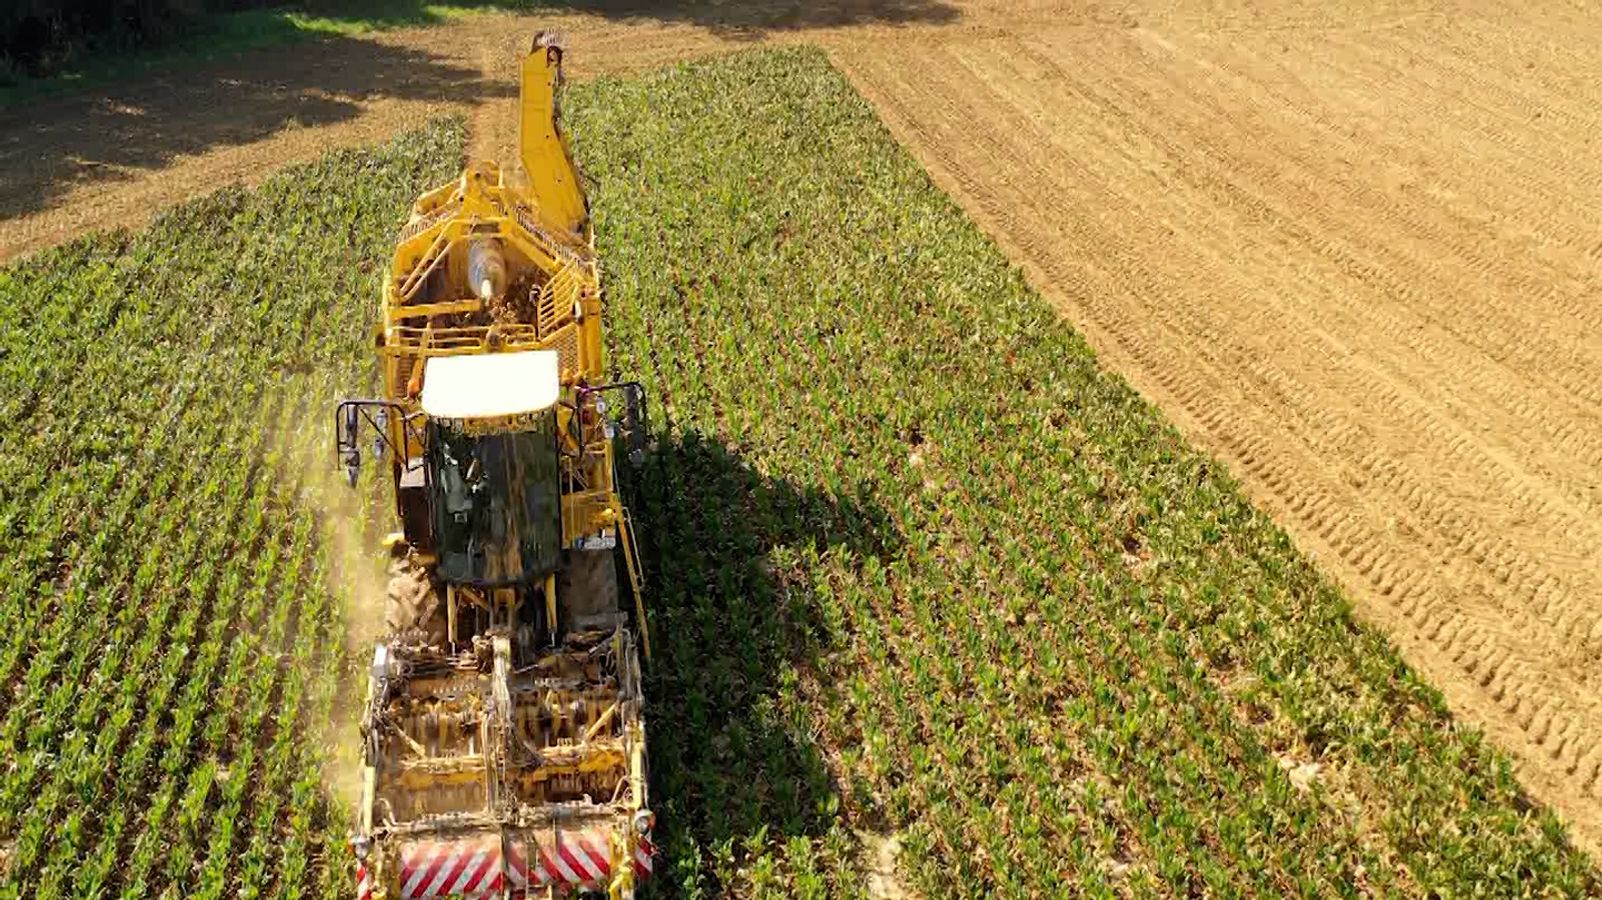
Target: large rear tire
(412, 608)
(587, 589)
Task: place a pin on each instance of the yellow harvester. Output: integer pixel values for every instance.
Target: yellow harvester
(504, 742)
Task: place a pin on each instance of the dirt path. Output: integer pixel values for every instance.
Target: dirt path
(1353, 252)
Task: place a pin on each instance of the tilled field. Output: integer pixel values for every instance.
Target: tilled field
(1362, 266)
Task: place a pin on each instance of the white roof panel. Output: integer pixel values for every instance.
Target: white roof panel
(490, 384)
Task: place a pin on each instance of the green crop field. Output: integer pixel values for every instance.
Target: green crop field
(920, 569)
(170, 646)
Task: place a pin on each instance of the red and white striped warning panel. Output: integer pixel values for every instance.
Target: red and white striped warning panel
(364, 881)
(450, 869)
(473, 869)
(562, 858)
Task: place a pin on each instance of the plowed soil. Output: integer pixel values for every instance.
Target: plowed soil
(1351, 249)
(1362, 266)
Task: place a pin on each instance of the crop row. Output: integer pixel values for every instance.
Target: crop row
(174, 644)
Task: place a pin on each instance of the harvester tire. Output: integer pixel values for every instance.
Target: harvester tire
(412, 607)
(587, 589)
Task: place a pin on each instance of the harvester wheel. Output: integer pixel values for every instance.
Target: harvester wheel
(412, 606)
(587, 589)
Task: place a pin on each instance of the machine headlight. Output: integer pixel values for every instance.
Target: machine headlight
(644, 821)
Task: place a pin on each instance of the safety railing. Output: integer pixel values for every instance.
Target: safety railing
(557, 299)
(411, 341)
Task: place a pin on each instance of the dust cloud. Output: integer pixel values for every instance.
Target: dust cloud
(356, 573)
(350, 525)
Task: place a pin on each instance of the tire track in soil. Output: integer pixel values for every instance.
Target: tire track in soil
(1388, 366)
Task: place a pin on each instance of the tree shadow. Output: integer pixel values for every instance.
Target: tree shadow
(738, 632)
(753, 20)
(119, 133)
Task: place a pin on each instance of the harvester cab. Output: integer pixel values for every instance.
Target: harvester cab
(492, 467)
(503, 735)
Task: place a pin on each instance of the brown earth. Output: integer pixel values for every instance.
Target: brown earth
(1352, 249)
(1362, 265)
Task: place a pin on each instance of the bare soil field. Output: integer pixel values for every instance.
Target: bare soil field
(1360, 265)
(1351, 249)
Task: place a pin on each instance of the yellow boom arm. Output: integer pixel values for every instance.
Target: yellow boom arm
(546, 158)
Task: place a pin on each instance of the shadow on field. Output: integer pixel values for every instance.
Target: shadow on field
(739, 632)
(124, 131)
(752, 20)
(118, 133)
(721, 16)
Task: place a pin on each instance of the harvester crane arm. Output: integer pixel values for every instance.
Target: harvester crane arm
(543, 149)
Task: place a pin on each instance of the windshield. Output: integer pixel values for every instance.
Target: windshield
(497, 504)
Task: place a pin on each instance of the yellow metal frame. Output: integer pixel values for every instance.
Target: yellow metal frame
(567, 315)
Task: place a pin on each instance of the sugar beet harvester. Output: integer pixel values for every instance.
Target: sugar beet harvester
(504, 742)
